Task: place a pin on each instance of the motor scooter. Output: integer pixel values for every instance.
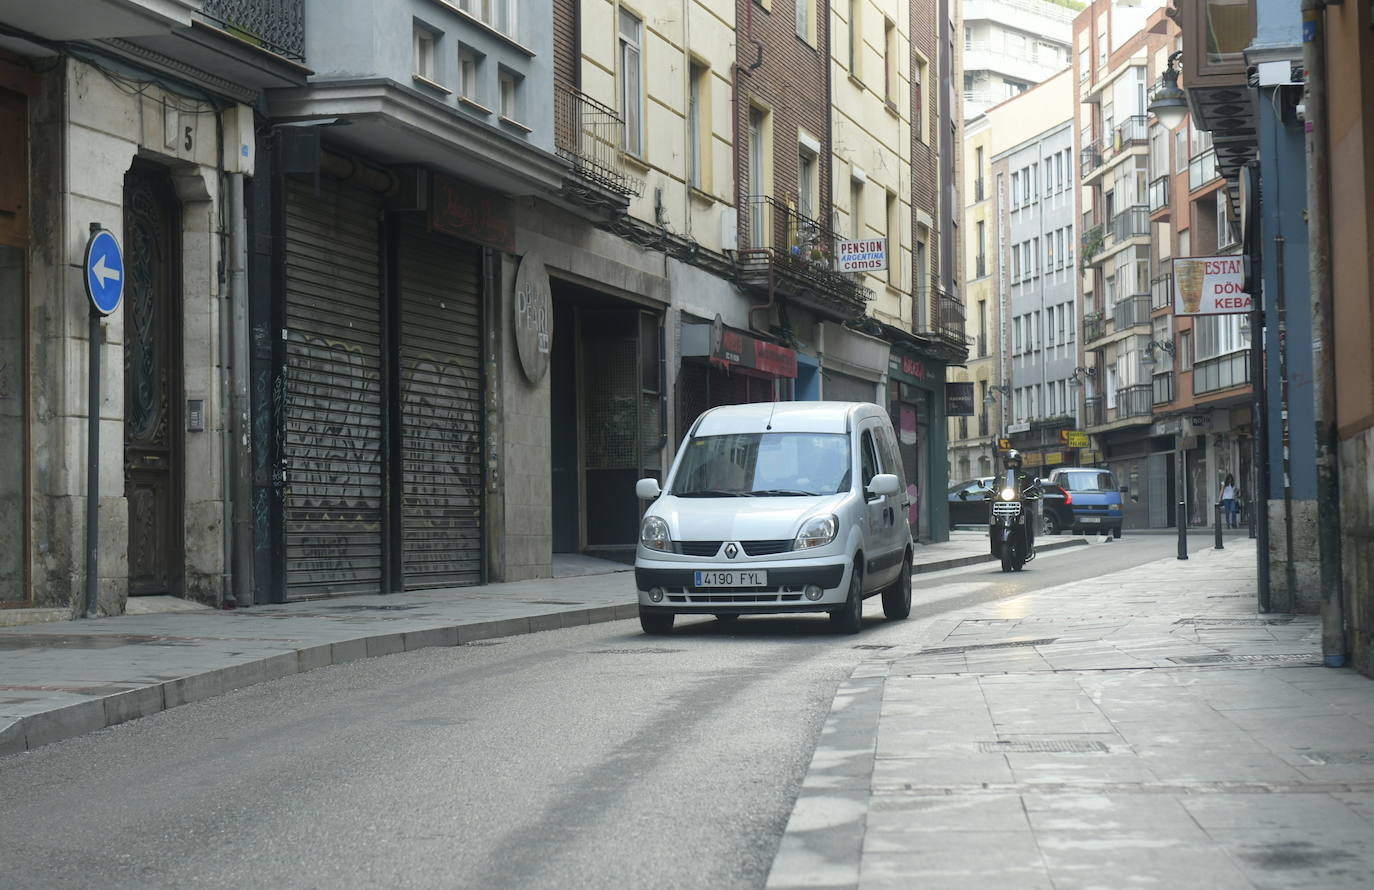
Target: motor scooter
(1012, 520)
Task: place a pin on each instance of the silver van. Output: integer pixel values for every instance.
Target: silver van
(778, 507)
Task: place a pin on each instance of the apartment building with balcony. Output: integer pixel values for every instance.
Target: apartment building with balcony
(1036, 222)
(1118, 48)
(1011, 45)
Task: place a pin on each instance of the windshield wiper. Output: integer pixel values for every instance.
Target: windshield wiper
(782, 493)
(712, 493)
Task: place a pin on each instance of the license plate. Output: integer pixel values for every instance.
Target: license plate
(734, 578)
(1092, 518)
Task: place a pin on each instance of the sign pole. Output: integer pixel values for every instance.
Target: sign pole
(93, 465)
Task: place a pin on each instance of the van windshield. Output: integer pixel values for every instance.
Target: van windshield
(764, 465)
(1086, 480)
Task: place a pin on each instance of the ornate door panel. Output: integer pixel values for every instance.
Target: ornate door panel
(152, 382)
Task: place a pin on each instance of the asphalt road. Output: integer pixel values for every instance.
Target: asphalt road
(588, 757)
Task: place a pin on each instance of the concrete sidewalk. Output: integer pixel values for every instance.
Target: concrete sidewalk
(64, 678)
(1146, 728)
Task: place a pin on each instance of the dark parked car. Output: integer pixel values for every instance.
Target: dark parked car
(968, 505)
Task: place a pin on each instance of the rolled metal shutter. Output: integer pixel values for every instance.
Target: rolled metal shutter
(333, 399)
(441, 410)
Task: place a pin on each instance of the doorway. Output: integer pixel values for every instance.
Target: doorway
(153, 382)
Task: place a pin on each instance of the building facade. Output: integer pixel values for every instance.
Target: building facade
(1011, 45)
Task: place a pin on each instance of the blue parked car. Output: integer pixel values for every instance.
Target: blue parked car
(1094, 496)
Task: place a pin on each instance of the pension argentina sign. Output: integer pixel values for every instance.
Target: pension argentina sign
(866, 255)
(1210, 285)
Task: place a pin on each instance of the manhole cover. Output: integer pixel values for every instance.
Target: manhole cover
(870, 646)
(1243, 659)
(648, 650)
(1042, 746)
(1234, 622)
(1009, 644)
(1338, 757)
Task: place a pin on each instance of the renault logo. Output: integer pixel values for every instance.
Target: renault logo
(731, 551)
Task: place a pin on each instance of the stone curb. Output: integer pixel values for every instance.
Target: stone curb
(36, 730)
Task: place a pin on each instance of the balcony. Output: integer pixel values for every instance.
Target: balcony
(588, 134)
(1094, 411)
(1159, 196)
(1133, 131)
(1222, 372)
(1133, 222)
(794, 255)
(1202, 170)
(1162, 291)
(1090, 159)
(1163, 388)
(1134, 401)
(277, 26)
(1130, 312)
(1094, 239)
(1094, 327)
(940, 314)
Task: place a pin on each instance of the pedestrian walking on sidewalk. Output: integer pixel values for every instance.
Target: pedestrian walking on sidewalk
(1229, 505)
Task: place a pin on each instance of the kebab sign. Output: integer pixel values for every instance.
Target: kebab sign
(1210, 285)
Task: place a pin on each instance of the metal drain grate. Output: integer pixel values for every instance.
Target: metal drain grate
(870, 646)
(648, 650)
(1323, 758)
(978, 647)
(1244, 659)
(1042, 746)
(1234, 622)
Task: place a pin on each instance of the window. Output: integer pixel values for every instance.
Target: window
(469, 63)
(631, 92)
(856, 208)
(1025, 186)
(1084, 63)
(894, 240)
(1181, 149)
(856, 38)
(1017, 342)
(890, 62)
(1184, 351)
(697, 137)
(918, 108)
(425, 40)
(806, 182)
(758, 186)
(1035, 254)
(803, 19)
(1016, 262)
(1016, 190)
(1102, 45)
(510, 95)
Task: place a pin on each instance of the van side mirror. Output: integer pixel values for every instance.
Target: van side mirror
(884, 484)
(647, 489)
(963, 495)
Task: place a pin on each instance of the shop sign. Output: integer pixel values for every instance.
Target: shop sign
(533, 317)
(867, 255)
(913, 367)
(472, 213)
(1004, 444)
(1054, 458)
(1032, 459)
(1074, 438)
(959, 399)
(1210, 285)
(733, 348)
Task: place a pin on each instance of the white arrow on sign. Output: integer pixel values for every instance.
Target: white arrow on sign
(104, 273)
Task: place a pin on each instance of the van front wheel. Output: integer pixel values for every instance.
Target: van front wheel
(849, 618)
(656, 623)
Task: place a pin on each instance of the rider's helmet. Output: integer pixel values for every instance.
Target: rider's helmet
(1012, 460)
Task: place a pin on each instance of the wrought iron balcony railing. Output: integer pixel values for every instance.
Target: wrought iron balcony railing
(1094, 411)
(1134, 130)
(1221, 372)
(1133, 310)
(590, 135)
(277, 26)
(1159, 193)
(1132, 222)
(1162, 291)
(1094, 327)
(949, 318)
(797, 251)
(1134, 401)
(1202, 170)
(1163, 387)
(1090, 158)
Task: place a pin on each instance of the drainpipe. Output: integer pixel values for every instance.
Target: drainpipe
(1323, 358)
(240, 420)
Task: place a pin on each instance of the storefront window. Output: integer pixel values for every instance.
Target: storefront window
(13, 363)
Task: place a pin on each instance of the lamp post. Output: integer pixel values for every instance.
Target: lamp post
(1180, 472)
(1168, 101)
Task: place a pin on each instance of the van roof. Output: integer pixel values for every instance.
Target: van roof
(788, 417)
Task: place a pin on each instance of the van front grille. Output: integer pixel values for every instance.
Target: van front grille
(765, 548)
(698, 548)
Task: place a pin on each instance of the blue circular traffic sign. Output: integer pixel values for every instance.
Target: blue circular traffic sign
(104, 271)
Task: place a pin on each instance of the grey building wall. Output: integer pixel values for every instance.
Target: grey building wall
(357, 39)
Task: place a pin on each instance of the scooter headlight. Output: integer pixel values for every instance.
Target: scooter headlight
(653, 534)
(1008, 494)
(817, 532)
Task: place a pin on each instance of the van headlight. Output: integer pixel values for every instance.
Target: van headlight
(653, 534)
(816, 532)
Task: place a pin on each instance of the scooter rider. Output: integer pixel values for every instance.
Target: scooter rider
(1026, 489)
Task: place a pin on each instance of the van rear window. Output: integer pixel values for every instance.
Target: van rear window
(1087, 480)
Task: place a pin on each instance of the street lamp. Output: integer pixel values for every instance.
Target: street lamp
(1168, 102)
(1163, 345)
(1080, 374)
(995, 391)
